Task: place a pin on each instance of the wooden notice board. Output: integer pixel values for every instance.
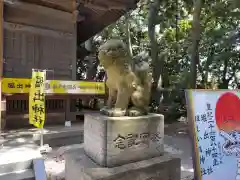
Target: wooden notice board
(214, 118)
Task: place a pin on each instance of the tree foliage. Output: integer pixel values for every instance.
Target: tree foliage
(210, 52)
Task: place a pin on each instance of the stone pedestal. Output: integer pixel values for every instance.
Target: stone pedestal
(114, 141)
(122, 148)
(81, 167)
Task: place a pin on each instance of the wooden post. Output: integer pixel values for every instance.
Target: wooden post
(74, 41)
(70, 116)
(2, 120)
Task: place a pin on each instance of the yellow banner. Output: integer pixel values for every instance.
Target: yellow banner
(37, 99)
(19, 85)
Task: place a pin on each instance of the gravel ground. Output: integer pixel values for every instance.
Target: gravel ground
(55, 165)
(55, 170)
(55, 162)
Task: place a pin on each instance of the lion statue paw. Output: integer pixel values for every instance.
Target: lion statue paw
(113, 112)
(136, 112)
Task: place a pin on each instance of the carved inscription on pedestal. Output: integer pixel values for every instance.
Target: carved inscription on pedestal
(134, 139)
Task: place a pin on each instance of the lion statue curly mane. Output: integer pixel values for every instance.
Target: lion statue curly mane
(128, 82)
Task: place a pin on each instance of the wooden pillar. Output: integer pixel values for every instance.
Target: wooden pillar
(74, 42)
(2, 99)
(71, 115)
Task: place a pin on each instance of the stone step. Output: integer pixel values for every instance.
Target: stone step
(26, 174)
(54, 136)
(79, 165)
(57, 139)
(15, 166)
(17, 162)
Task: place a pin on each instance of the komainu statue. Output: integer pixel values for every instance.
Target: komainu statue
(128, 82)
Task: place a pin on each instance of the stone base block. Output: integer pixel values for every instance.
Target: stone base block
(114, 141)
(78, 166)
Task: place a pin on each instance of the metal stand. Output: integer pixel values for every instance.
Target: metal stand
(41, 137)
(44, 148)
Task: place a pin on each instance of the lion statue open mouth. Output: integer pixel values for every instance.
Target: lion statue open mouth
(128, 82)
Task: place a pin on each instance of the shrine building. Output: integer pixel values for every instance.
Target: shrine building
(45, 34)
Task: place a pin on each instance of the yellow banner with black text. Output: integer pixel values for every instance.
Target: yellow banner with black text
(37, 99)
(20, 85)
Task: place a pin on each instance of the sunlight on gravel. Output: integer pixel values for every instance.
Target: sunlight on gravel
(55, 165)
(55, 170)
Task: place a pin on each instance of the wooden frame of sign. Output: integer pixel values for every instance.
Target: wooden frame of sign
(192, 130)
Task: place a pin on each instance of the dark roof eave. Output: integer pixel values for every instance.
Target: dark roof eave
(89, 28)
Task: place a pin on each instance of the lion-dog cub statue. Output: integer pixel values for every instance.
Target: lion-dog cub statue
(129, 83)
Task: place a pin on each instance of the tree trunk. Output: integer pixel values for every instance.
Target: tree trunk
(237, 81)
(92, 67)
(128, 33)
(225, 70)
(92, 63)
(156, 63)
(223, 84)
(88, 44)
(195, 41)
(206, 67)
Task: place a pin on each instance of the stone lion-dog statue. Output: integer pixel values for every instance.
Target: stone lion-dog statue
(128, 82)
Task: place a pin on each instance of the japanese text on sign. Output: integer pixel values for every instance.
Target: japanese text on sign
(208, 135)
(123, 142)
(37, 99)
